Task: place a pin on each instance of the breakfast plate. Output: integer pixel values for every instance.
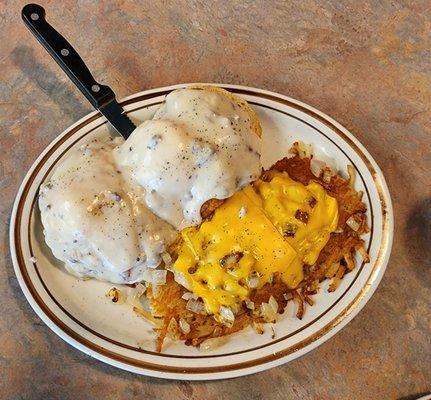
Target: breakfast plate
(80, 312)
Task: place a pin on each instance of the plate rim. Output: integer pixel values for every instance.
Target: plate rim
(340, 321)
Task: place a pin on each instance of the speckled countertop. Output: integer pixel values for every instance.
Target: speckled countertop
(365, 63)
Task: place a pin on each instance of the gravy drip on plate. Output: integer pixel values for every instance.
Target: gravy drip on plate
(199, 145)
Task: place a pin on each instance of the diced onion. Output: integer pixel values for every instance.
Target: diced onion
(195, 306)
(166, 258)
(249, 304)
(212, 343)
(316, 167)
(327, 175)
(352, 175)
(188, 296)
(353, 223)
(307, 149)
(273, 303)
(229, 260)
(303, 150)
(242, 212)
(253, 281)
(155, 276)
(181, 279)
(140, 289)
(227, 314)
(268, 313)
(184, 326)
(136, 294)
(288, 296)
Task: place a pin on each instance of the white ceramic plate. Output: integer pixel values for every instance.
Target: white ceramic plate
(79, 312)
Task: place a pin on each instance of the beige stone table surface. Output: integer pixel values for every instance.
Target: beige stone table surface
(365, 63)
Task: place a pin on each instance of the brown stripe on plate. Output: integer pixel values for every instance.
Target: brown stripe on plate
(140, 350)
(163, 368)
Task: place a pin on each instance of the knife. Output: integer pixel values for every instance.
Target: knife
(100, 96)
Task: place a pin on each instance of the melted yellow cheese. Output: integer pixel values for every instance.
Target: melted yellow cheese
(283, 196)
(251, 224)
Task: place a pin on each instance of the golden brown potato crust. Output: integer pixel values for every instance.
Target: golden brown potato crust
(335, 260)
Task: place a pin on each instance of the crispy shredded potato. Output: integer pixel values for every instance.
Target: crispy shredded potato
(169, 304)
(168, 307)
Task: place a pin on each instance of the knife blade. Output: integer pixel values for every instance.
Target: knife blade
(114, 113)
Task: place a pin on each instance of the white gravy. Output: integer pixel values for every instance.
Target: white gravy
(199, 145)
(96, 223)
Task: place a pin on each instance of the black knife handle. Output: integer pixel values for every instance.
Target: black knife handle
(70, 62)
